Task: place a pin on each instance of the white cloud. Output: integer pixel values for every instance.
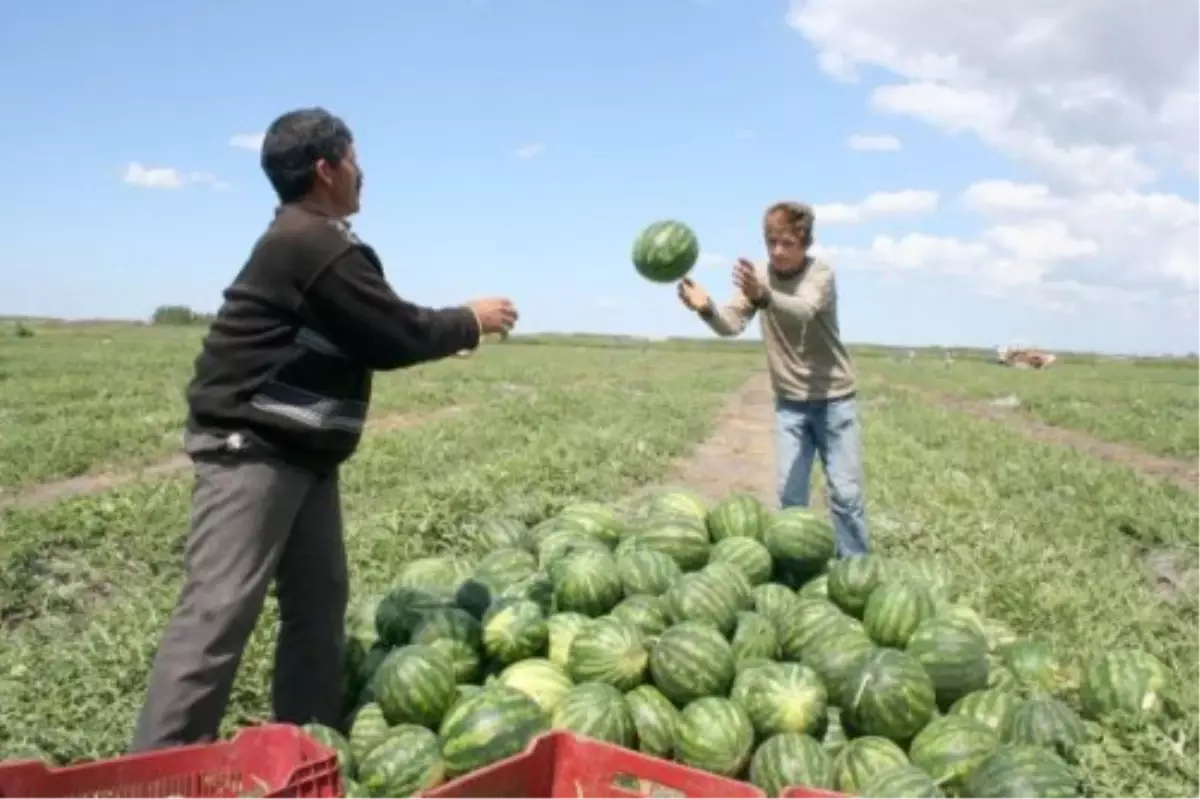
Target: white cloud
(163, 177)
(160, 177)
(529, 151)
(1098, 105)
(247, 141)
(877, 204)
(1082, 89)
(873, 142)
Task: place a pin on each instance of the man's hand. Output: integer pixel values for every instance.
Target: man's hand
(495, 314)
(692, 296)
(745, 277)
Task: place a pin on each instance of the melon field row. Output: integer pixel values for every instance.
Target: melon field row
(1044, 539)
(1150, 405)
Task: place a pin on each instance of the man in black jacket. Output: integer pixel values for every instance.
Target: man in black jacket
(277, 404)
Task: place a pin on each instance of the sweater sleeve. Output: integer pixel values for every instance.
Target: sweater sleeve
(731, 319)
(371, 324)
(812, 296)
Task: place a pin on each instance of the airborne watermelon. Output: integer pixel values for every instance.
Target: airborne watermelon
(665, 251)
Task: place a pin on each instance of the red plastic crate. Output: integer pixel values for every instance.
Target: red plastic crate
(271, 760)
(561, 764)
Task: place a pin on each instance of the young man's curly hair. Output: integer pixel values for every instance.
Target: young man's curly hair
(790, 217)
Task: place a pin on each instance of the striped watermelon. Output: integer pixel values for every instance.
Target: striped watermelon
(463, 657)
(739, 515)
(678, 502)
(1127, 682)
(367, 729)
(503, 533)
(599, 521)
(648, 614)
(788, 759)
(1047, 722)
(596, 710)
(816, 588)
(453, 623)
(782, 697)
(809, 620)
(665, 251)
(754, 637)
(655, 718)
(890, 695)
(964, 617)
(716, 735)
(503, 567)
(487, 726)
(835, 734)
(734, 581)
(837, 657)
(539, 679)
(699, 597)
(747, 554)
(609, 651)
(852, 579)
(438, 576)
(954, 655)
(647, 571)
(400, 610)
(1035, 665)
(332, 739)
(894, 611)
(862, 760)
(691, 660)
(950, 747)
(405, 762)
(415, 684)
(561, 630)
(587, 583)
(901, 782)
(800, 542)
(993, 708)
(777, 602)
(559, 544)
(684, 538)
(513, 630)
(1015, 770)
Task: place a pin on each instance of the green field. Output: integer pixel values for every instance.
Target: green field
(1046, 539)
(1146, 404)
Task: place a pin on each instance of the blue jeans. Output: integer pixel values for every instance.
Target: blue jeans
(828, 428)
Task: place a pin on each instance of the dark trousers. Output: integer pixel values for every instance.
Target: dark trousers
(252, 522)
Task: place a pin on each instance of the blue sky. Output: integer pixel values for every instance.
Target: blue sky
(516, 147)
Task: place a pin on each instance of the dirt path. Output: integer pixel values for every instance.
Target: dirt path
(1183, 474)
(47, 493)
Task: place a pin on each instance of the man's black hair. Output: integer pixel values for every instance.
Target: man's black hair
(295, 142)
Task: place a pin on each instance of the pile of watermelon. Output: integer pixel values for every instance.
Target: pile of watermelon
(727, 638)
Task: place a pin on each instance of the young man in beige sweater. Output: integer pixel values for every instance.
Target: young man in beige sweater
(795, 298)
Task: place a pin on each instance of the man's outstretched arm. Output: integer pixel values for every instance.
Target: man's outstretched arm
(370, 323)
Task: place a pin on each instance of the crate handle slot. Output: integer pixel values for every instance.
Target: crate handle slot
(628, 782)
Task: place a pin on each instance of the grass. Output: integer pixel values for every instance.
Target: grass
(1047, 540)
(1149, 405)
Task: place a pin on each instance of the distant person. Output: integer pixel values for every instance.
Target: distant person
(811, 371)
(277, 404)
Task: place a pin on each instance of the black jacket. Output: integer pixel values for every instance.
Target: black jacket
(285, 370)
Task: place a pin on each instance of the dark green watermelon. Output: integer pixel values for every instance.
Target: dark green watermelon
(665, 251)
